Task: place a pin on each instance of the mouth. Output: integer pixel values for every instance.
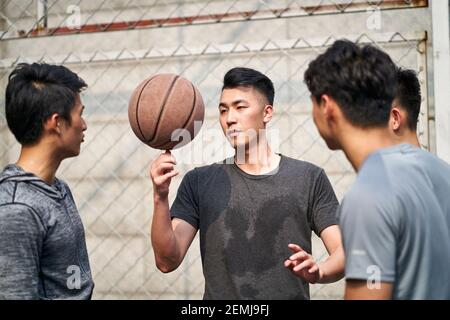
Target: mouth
(233, 133)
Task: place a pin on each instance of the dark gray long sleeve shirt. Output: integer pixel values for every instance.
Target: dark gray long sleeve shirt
(43, 251)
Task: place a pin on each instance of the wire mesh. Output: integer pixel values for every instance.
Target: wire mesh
(200, 40)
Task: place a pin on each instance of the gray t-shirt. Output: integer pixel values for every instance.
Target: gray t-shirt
(395, 221)
(247, 221)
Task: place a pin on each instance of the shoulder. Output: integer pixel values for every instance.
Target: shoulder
(19, 215)
(13, 191)
(370, 200)
(31, 198)
(372, 184)
(434, 161)
(295, 167)
(207, 171)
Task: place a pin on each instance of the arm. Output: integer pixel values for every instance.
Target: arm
(324, 223)
(21, 239)
(359, 290)
(170, 238)
(369, 226)
(332, 269)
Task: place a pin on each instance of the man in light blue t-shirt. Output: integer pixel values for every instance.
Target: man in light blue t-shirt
(395, 219)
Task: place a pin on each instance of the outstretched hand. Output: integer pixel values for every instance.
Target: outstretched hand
(303, 264)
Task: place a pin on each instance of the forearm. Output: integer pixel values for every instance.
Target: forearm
(163, 237)
(332, 268)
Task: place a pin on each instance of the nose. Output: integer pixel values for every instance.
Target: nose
(84, 125)
(231, 118)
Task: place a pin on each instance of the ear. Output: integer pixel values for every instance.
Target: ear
(268, 112)
(328, 106)
(53, 124)
(395, 120)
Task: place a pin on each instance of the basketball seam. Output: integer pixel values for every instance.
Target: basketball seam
(169, 91)
(137, 107)
(188, 119)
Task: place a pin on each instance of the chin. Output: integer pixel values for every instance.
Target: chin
(74, 153)
(332, 145)
(234, 143)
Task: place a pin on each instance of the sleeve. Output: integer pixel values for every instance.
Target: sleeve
(21, 238)
(324, 204)
(369, 238)
(185, 206)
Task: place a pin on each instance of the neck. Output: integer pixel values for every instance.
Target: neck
(258, 159)
(40, 160)
(358, 143)
(408, 137)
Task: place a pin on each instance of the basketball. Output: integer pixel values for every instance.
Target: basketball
(162, 104)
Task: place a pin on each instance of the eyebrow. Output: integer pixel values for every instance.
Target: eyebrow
(235, 102)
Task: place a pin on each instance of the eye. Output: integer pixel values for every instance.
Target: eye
(222, 111)
(241, 107)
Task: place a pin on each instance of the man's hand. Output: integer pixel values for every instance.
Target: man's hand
(303, 265)
(161, 172)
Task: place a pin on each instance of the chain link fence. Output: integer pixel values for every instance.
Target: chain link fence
(113, 45)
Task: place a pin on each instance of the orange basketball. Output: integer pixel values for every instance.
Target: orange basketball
(162, 104)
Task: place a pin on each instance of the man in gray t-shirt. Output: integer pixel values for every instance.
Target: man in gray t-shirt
(395, 219)
(396, 223)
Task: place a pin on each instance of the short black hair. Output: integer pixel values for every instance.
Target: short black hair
(361, 80)
(408, 95)
(246, 77)
(35, 92)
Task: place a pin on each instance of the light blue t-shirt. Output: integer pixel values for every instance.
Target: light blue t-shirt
(395, 221)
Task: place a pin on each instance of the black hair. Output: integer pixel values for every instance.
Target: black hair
(408, 95)
(35, 92)
(249, 78)
(362, 80)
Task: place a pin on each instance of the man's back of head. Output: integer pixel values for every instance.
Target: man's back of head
(360, 79)
(395, 217)
(406, 107)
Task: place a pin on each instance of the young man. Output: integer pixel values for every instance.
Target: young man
(395, 219)
(43, 251)
(406, 107)
(251, 211)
